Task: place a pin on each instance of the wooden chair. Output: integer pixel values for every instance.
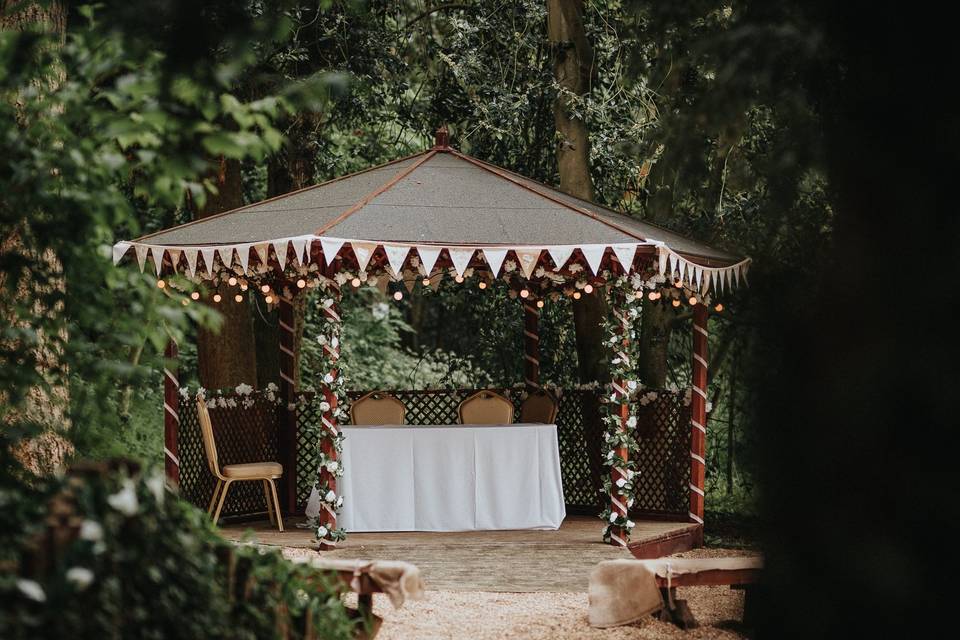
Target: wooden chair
(485, 407)
(265, 472)
(377, 408)
(540, 406)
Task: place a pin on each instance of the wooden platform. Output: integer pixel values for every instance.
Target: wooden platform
(505, 561)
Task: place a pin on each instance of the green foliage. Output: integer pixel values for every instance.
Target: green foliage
(146, 564)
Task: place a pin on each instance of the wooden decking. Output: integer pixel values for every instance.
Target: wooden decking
(506, 561)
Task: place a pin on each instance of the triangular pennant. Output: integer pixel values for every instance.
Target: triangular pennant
(307, 251)
(428, 255)
(331, 246)
(226, 256)
(594, 255)
(494, 258)
(662, 256)
(396, 256)
(363, 251)
(528, 259)
(263, 252)
(208, 259)
(280, 248)
(299, 244)
(625, 254)
(141, 255)
(157, 259)
(670, 268)
(191, 260)
(560, 254)
(460, 258)
(174, 258)
(243, 250)
(119, 250)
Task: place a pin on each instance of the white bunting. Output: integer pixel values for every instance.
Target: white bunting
(594, 255)
(560, 254)
(363, 251)
(191, 261)
(141, 255)
(428, 255)
(331, 246)
(495, 259)
(263, 251)
(625, 254)
(226, 256)
(157, 260)
(243, 250)
(528, 259)
(460, 258)
(280, 248)
(208, 259)
(662, 256)
(119, 250)
(299, 245)
(396, 256)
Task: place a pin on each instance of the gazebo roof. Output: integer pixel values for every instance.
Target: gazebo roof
(440, 198)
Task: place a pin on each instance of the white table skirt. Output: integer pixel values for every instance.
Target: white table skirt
(451, 478)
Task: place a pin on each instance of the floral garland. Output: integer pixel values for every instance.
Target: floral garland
(243, 395)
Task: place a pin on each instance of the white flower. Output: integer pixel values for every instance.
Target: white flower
(324, 406)
(334, 342)
(273, 387)
(185, 392)
(622, 482)
(632, 385)
(125, 501)
(328, 379)
(243, 389)
(631, 524)
(155, 483)
(330, 497)
(212, 404)
(339, 502)
(575, 268)
(322, 531)
(321, 339)
(630, 502)
(332, 466)
(613, 516)
(232, 403)
(32, 590)
(509, 266)
(81, 577)
(91, 530)
(631, 422)
(610, 454)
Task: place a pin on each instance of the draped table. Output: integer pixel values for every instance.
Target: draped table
(451, 478)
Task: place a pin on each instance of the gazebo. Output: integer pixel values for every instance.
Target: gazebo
(412, 223)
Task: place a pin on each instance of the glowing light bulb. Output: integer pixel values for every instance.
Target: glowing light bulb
(692, 300)
(397, 295)
(425, 282)
(539, 304)
(161, 284)
(355, 282)
(195, 295)
(719, 308)
(675, 303)
(459, 279)
(238, 298)
(652, 296)
(524, 293)
(184, 302)
(243, 287)
(482, 284)
(301, 283)
(232, 281)
(576, 295)
(268, 299)
(588, 288)
(677, 284)
(265, 288)
(217, 297)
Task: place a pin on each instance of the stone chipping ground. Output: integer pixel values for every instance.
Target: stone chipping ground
(487, 615)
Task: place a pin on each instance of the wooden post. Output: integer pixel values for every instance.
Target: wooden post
(698, 414)
(531, 343)
(287, 435)
(328, 517)
(171, 414)
(618, 502)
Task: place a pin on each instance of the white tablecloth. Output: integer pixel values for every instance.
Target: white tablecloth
(451, 478)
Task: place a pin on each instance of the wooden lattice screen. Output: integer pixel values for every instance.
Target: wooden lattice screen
(251, 435)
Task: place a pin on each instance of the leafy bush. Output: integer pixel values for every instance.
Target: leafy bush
(123, 557)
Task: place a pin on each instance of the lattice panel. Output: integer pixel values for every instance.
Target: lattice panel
(308, 450)
(242, 435)
(663, 433)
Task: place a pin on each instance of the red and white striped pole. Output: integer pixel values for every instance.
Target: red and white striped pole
(288, 391)
(698, 415)
(531, 343)
(171, 414)
(618, 502)
(328, 517)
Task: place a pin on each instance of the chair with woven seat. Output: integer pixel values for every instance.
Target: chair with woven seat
(539, 407)
(264, 472)
(377, 408)
(485, 407)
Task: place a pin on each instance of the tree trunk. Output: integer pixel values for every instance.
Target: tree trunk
(572, 64)
(656, 321)
(227, 357)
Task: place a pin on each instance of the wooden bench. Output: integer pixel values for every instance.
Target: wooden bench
(738, 573)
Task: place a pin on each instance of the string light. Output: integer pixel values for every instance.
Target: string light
(482, 284)
(301, 283)
(184, 302)
(161, 284)
(539, 304)
(232, 281)
(639, 295)
(355, 283)
(676, 302)
(652, 296)
(268, 299)
(425, 282)
(265, 288)
(243, 286)
(397, 295)
(217, 297)
(677, 284)
(719, 308)
(692, 300)
(524, 293)
(238, 298)
(588, 288)
(576, 295)
(459, 279)
(195, 295)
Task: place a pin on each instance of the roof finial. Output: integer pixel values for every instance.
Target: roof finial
(442, 139)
